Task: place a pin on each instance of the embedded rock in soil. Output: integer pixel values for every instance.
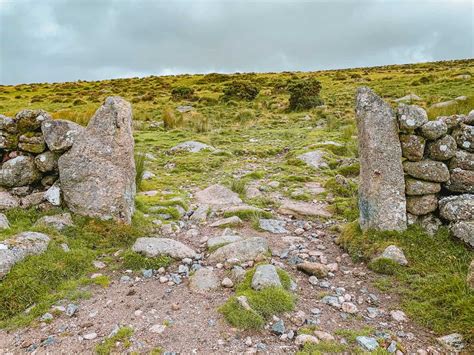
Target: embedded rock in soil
(218, 195)
(464, 230)
(204, 279)
(60, 134)
(273, 225)
(243, 250)
(222, 240)
(382, 201)
(303, 209)
(265, 276)
(58, 222)
(413, 146)
(4, 222)
(395, 254)
(314, 159)
(19, 171)
(470, 275)
(8, 201)
(225, 222)
(316, 269)
(152, 247)
(191, 147)
(453, 342)
(428, 170)
(430, 224)
(98, 172)
(457, 208)
(19, 247)
(420, 205)
(414, 187)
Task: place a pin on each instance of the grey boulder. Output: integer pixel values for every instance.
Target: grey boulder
(243, 250)
(152, 247)
(457, 208)
(19, 171)
(265, 276)
(60, 134)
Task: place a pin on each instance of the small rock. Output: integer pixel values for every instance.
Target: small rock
(157, 328)
(453, 342)
(90, 336)
(273, 226)
(46, 317)
(316, 269)
(4, 222)
(394, 253)
(324, 336)
(265, 276)
(367, 343)
(398, 316)
(227, 283)
(71, 309)
(306, 338)
(349, 307)
(278, 327)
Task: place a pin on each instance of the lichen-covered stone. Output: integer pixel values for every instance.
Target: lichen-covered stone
(428, 170)
(265, 276)
(420, 205)
(7, 124)
(464, 136)
(8, 201)
(461, 181)
(410, 117)
(98, 173)
(31, 120)
(152, 247)
(457, 208)
(464, 230)
(413, 146)
(382, 203)
(430, 224)
(442, 149)
(218, 195)
(32, 143)
(19, 171)
(34, 199)
(394, 253)
(243, 250)
(60, 134)
(8, 141)
(47, 161)
(434, 129)
(463, 160)
(414, 187)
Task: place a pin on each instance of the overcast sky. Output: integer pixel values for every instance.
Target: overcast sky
(67, 40)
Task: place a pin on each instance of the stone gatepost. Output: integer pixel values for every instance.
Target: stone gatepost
(382, 202)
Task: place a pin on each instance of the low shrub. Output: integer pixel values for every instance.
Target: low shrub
(182, 93)
(240, 90)
(304, 94)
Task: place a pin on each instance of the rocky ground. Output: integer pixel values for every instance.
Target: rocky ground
(165, 313)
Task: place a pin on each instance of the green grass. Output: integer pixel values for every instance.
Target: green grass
(264, 303)
(433, 287)
(117, 343)
(135, 261)
(324, 347)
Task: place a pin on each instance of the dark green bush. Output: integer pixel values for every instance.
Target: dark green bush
(304, 94)
(182, 93)
(240, 90)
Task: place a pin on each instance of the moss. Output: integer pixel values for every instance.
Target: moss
(384, 266)
(119, 341)
(136, 261)
(248, 214)
(264, 303)
(324, 347)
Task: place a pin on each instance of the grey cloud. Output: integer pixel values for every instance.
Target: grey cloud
(65, 40)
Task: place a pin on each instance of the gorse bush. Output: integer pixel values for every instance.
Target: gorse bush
(304, 94)
(170, 119)
(182, 93)
(240, 90)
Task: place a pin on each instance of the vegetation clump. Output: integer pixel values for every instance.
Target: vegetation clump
(182, 93)
(304, 94)
(240, 90)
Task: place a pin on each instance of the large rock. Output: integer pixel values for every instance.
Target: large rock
(442, 149)
(218, 195)
(464, 230)
(428, 170)
(152, 247)
(244, 250)
(191, 147)
(410, 117)
(314, 159)
(19, 171)
(413, 146)
(8, 201)
(420, 205)
(457, 208)
(60, 134)
(382, 201)
(30, 120)
(464, 136)
(47, 161)
(220, 241)
(265, 276)
(19, 247)
(273, 225)
(58, 222)
(98, 172)
(414, 187)
(204, 279)
(461, 181)
(31, 143)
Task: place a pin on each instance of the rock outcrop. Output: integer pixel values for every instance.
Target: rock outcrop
(98, 173)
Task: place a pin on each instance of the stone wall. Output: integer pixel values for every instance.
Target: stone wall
(438, 166)
(439, 170)
(31, 143)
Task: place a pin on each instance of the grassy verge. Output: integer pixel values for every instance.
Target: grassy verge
(433, 288)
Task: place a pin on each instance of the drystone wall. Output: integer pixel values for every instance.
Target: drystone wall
(437, 157)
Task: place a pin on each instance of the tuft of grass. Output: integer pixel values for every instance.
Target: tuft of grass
(324, 347)
(170, 119)
(461, 107)
(136, 261)
(264, 303)
(433, 293)
(117, 342)
(383, 266)
(140, 160)
(249, 214)
(238, 186)
(351, 334)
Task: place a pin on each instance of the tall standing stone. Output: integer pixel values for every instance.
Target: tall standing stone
(98, 173)
(382, 201)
